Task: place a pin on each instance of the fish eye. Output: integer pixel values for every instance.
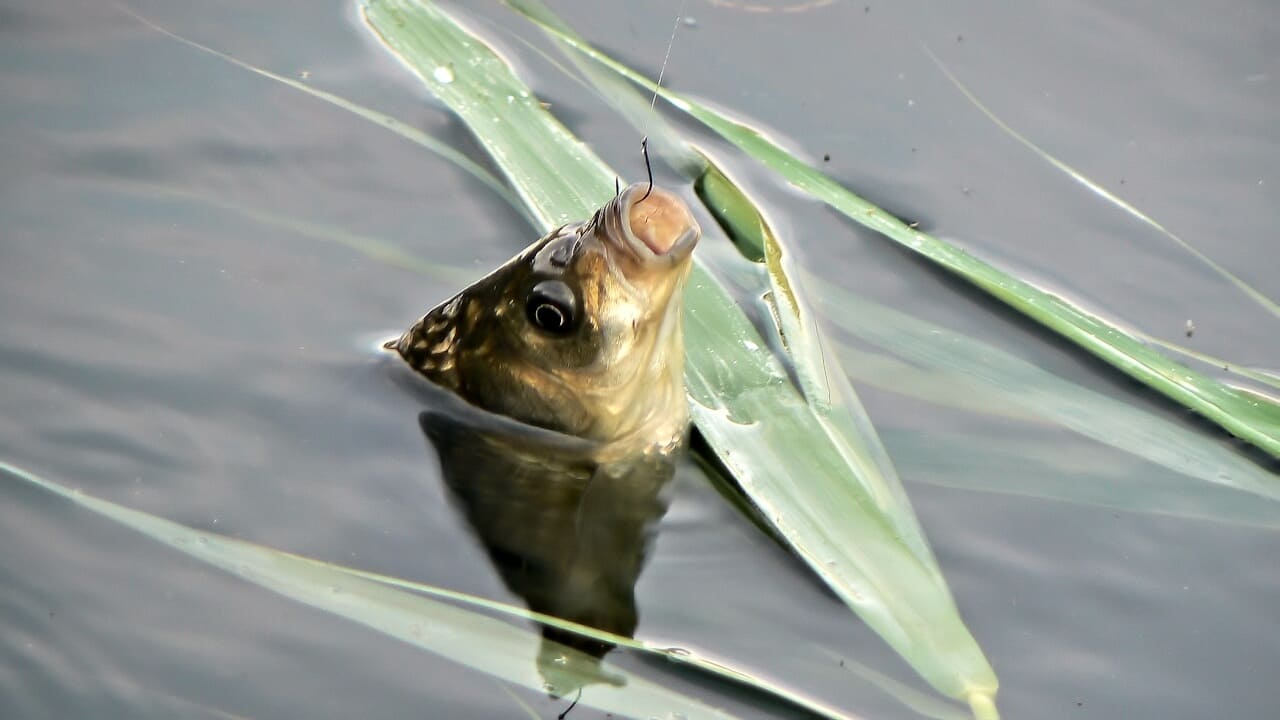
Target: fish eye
(553, 306)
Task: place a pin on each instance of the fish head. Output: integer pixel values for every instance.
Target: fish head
(581, 332)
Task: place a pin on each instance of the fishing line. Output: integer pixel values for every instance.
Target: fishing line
(572, 705)
(644, 141)
(670, 44)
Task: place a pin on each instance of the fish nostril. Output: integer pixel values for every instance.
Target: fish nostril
(562, 253)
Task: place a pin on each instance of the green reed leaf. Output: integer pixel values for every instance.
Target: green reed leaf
(866, 546)
(677, 656)
(990, 373)
(1002, 376)
(1258, 375)
(1066, 469)
(463, 636)
(822, 380)
(1252, 418)
(1265, 302)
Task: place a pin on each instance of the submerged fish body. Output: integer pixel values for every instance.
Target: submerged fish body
(566, 532)
(581, 333)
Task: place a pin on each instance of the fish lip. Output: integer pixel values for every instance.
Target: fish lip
(679, 251)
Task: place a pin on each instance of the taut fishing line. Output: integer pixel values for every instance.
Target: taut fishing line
(644, 141)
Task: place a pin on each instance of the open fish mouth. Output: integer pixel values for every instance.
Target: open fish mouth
(653, 225)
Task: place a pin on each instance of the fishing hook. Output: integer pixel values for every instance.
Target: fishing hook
(573, 704)
(617, 186)
(644, 149)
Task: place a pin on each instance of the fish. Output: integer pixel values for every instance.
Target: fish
(566, 532)
(557, 411)
(581, 332)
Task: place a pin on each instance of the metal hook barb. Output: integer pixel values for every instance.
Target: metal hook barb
(644, 149)
(617, 186)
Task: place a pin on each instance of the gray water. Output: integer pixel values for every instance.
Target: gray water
(162, 349)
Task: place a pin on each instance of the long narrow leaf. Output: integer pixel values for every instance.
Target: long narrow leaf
(1014, 380)
(822, 380)
(456, 634)
(1249, 417)
(1257, 375)
(1051, 469)
(677, 656)
(743, 403)
(1262, 300)
(284, 565)
(1099, 417)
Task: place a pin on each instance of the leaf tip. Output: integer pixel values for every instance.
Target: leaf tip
(983, 705)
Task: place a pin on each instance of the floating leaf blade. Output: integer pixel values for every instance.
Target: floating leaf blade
(743, 400)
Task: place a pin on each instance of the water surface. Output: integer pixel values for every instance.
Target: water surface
(162, 348)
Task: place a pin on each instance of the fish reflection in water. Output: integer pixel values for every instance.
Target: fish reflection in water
(566, 531)
(566, 405)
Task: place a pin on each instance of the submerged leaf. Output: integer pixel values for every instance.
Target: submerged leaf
(998, 374)
(1064, 470)
(463, 636)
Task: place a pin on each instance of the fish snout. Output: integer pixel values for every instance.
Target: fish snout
(657, 223)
